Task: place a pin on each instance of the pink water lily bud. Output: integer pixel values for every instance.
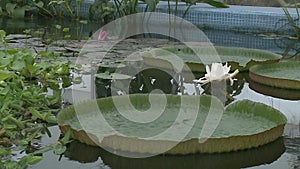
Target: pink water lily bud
(102, 35)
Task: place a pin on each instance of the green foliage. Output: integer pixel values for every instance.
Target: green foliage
(25, 107)
(52, 8)
(217, 4)
(16, 8)
(60, 6)
(109, 10)
(105, 8)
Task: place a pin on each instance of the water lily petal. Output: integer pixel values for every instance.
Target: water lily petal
(102, 35)
(217, 72)
(207, 70)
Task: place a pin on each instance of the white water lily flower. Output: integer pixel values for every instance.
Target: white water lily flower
(218, 72)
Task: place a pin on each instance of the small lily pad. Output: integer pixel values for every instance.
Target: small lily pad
(112, 76)
(238, 58)
(282, 75)
(244, 124)
(17, 36)
(112, 65)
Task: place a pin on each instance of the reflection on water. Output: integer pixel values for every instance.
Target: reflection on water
(82, 156)
(17, 26)
(262, 155)
(286, 94)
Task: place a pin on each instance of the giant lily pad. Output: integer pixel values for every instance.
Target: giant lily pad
(243, 125)
(282, 75)
(238, 58)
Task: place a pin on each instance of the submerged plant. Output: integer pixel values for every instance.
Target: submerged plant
(217, 72)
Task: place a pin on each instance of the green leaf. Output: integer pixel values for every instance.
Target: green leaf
(18, 65)
(2, 34)
(66, 30)
(67, 36)
(83, 22)
(36, 113)
(42, 150)
(4, 151)
(47, 131)
(30, 160)
(19, 13)
(27, 31)
(217, 4)
(4, 74)
(10, 126)
(40, 4)
(4, 91)
(58, 26)
(65, 140)
(34, 159)
(24, 142)
(54, 99)
(66, 81)
(59, 149)
(50, 119)
(32, 69)
(10, 8)
(4, 62)
(18, 122)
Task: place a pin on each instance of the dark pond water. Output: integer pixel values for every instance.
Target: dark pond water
(284, 153)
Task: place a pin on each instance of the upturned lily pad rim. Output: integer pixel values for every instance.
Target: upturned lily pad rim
(279, 118)
(256, 74)
(198, 66)
(212, 145)
(282, 93)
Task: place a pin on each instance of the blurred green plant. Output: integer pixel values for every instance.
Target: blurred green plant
(109, 10)
(294, 22)
(106, 10)
(290, 42)
(16, 8)
(102, 9)
(214, 3)
(50, 8)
